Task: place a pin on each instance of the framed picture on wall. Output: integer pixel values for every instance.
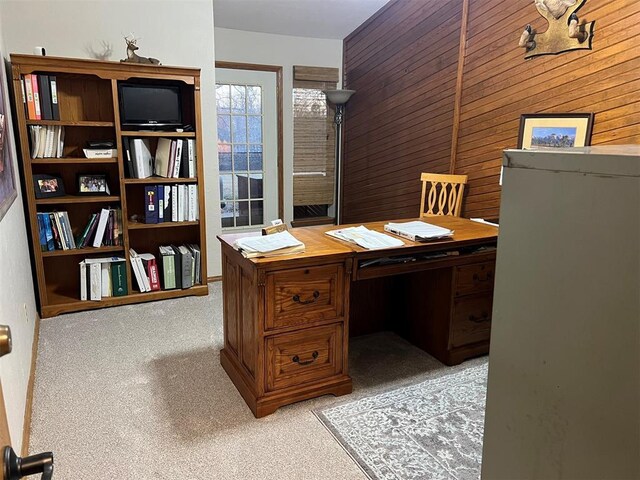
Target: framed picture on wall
(555, 130)
(8, 192)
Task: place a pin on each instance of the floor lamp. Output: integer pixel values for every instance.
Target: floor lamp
(338, 98)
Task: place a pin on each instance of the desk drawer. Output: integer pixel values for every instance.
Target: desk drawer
(475, 278)
(471, 321)
(304, 295)
(304, 356)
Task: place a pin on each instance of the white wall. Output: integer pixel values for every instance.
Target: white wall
(175, 32)
(286, 51)
(17, 300)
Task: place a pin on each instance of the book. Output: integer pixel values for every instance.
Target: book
(31, 107)
(80, 241)
(44, 87)
(61, 233)
(48, 232)
(119, 279)
(36, 96)
(163, 153)
(102, 226)
(42, 233)
(66, 224)
(55, 110)
(56, 234)
(150, 204)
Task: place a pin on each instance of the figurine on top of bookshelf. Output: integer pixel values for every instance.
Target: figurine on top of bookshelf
(93, 184)
(133, 57)
(48, 186)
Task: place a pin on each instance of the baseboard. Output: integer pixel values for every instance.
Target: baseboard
(217, 278)
(26, 427)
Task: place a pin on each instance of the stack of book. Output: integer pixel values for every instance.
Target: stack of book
(46, 141)
(175, 158)
(103, 277)
(54, 231)
(40, 96)
(171, 203)
(104, 228)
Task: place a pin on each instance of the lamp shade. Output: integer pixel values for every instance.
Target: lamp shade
(338, 97)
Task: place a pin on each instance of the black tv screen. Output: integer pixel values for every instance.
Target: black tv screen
(150, 106)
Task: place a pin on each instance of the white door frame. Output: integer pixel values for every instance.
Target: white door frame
(279, 109)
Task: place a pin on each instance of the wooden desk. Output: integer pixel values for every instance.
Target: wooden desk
(287, 319)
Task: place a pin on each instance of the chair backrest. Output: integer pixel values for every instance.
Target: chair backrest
(444, 196)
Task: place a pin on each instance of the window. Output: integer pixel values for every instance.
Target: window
(314, 143)
(240, 154)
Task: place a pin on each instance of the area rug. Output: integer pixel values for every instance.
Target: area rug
(431, 430)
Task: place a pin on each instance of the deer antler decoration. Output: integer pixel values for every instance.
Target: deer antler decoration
(565, 32)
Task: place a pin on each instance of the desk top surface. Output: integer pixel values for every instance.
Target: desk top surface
(318, 244)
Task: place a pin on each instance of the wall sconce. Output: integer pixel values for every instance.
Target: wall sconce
(565, 32)
(338, 98)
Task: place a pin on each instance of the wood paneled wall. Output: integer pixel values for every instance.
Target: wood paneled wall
(407, 67)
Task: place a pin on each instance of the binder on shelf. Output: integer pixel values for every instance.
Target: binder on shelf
(160, 197)
(168, 263)
(138, 271)
(186, 260)
(55, 110)
(163, 156)
(151, 270)
(83, 280)
(128, 158)
(31, 108)
(95, 281)
(44, 87)
(119, 279)
(177, 159)
(102, 226)
(143, 160)
(36, 96)
(105, 280)
(167, 203)
(150, 204)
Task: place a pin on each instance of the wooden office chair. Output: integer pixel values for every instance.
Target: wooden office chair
(445, 194)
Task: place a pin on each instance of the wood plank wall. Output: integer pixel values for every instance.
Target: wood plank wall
(403, 62)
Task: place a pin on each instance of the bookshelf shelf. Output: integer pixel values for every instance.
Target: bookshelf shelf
(63, 123)
(73, 161)
(154, 180)
(147, 133)
(147, 226)
(82, 251)
(88, 104)
(77, 199)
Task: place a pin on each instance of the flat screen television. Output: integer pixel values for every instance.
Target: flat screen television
(150, 106)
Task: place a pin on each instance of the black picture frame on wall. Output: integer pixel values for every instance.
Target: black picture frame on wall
(555, 130)
(48, 186)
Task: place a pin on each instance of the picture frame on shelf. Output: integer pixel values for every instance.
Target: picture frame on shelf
(555, 130)
(48, 186)
(93, 184)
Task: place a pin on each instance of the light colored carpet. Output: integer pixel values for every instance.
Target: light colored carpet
(137, 392)
(429, 431)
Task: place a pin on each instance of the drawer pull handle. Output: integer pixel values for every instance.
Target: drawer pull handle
(296, 298)
(297, 360)
(484, 318)
(487, 277)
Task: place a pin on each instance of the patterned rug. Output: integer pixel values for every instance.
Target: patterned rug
(432, 430)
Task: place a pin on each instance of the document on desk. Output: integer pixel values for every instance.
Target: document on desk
(419, 231)
(366, 238)
(281, 243)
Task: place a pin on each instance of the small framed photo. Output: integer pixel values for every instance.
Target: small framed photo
(48, 186)
(93, 184)
(555, 130)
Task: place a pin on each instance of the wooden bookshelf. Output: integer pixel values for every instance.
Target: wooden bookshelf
(90, 110)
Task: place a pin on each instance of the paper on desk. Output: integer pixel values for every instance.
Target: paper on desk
(482, 220)
(418, 231)
(268, 243)
(366, 238)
